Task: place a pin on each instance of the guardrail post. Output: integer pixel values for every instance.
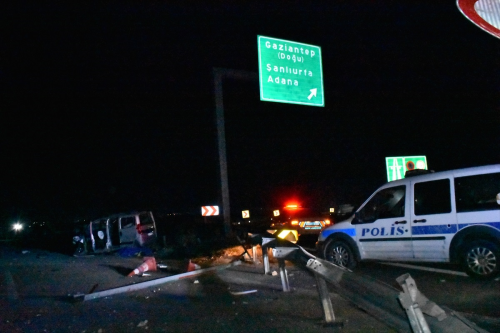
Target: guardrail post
(284, 275)
(265, 253)
(377, 299)
(265, 259)
(282, 253)
(325, 299)
(319, 272)
(254, 253)
(409, 301)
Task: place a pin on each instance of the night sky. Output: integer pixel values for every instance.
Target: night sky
(110, 107)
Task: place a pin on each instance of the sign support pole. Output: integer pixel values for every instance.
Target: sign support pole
(219, 75)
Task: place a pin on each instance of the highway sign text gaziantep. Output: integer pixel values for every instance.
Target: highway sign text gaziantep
(290, 72)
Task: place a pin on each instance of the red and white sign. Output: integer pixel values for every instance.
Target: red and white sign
(483, 13)
(245, 214)
(209, 210)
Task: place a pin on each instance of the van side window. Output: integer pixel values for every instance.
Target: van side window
(432, 197)
(476, 193)
(145, 219)
(128, 222)
(386, 203)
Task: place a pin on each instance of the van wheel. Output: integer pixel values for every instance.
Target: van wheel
(340, 254)
(79, 250)
(480, 259)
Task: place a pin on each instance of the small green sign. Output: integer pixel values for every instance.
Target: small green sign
(290, 72)
(397, 166)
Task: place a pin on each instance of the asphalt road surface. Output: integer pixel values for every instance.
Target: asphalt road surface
(37, 288)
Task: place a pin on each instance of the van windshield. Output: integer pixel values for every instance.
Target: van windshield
(386, 203)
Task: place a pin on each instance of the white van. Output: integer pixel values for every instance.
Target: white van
(450, 216)
(113, 232)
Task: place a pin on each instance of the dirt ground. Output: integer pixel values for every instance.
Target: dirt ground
(38, 287)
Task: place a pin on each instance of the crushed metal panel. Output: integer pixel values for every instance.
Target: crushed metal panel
(284, 252)
(325, 268)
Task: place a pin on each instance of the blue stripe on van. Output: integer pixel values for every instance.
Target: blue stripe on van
(351, 232)
(495, 225)
(444, 229)
(434, 229)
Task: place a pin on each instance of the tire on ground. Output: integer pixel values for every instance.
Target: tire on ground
(340, 253)
(481, 259)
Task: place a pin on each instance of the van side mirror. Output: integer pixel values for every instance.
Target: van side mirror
(355, 219)
(360, 218)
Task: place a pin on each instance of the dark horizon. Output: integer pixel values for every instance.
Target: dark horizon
(110, 107)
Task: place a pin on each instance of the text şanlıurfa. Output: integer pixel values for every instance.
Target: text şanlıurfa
(286, 70)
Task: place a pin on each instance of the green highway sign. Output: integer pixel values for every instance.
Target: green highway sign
(397, 166)
(290, 72)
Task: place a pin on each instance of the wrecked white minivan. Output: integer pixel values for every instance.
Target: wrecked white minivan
(116, 231)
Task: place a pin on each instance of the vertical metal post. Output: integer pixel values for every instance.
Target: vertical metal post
(284, 275)
(221, 139)
(265, 259)
(254, 253)
(408, 299)
(266, 241)
(219, 74)
(325, 299)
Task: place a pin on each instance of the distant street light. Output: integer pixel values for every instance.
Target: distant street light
(17, 227)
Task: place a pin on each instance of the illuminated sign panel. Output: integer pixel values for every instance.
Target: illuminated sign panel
(290, 72)
(397, 166)
(209, 210)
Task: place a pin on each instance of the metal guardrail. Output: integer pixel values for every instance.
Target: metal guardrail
(142, 285)
(406, 311)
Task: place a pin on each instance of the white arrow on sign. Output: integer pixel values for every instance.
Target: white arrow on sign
(209, 210)
(313, 93)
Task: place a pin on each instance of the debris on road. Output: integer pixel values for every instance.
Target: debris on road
(94, 287)
(149, 264)
(192, 266)
(243, 292)
(134, 251)
(150, 283)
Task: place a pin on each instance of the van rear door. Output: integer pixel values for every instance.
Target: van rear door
(128, 231)
(433, 218)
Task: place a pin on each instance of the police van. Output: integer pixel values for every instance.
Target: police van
(449, 216)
